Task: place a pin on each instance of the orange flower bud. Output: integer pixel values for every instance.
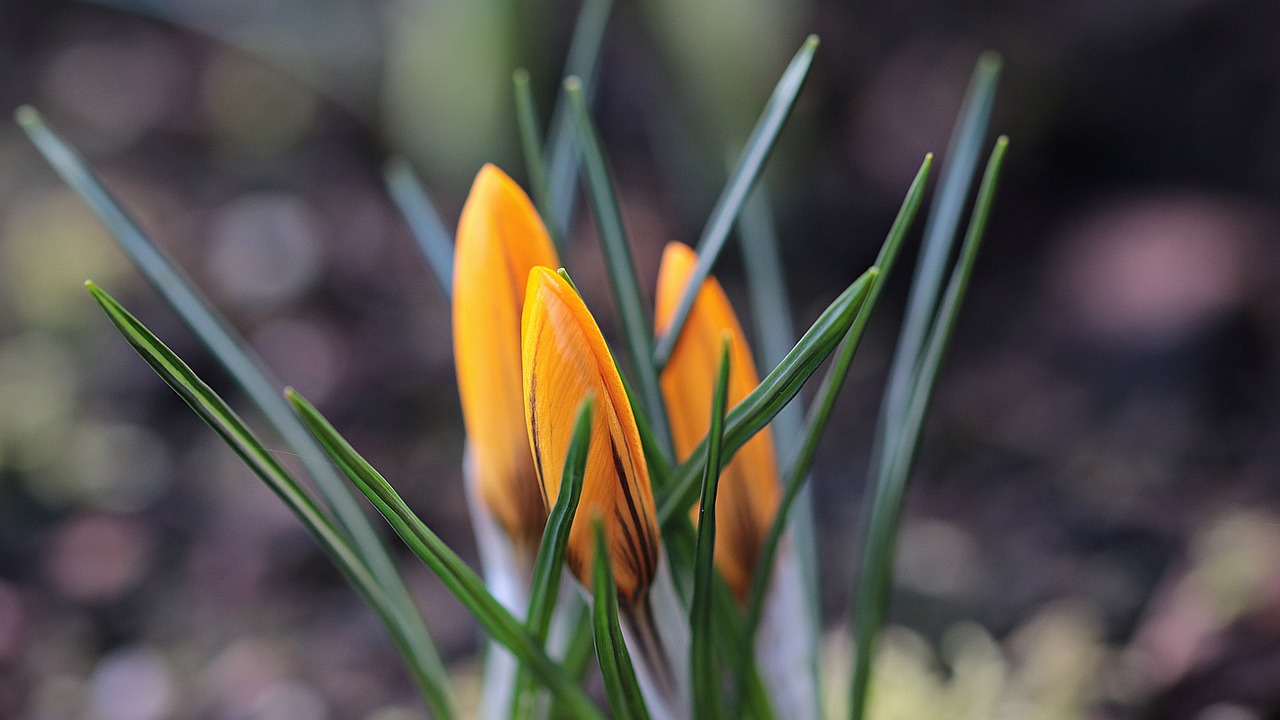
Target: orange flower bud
(500, 238)
(749, 490)
(565, 360)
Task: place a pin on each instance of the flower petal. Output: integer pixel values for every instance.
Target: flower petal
(566, 360)
(500, 238)
(749, 487)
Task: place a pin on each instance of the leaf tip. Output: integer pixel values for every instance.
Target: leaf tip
(520, 76)
(811, 42)
(573, 84)
(990, 62)
(27, 116)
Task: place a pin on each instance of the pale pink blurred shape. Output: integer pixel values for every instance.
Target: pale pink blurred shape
(1150, 270)
(120, 86)
(95, 558)
(906, 110)
(265, 248)
(243, 676)
(131, 684)
(289, 701)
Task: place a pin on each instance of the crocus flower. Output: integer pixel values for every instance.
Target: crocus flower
(749, 486)
(565, 361)
(500, 238)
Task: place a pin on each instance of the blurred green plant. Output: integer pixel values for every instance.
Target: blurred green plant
(670, 637)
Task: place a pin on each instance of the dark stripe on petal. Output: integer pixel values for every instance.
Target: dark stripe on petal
(533, 430)
(646, 550)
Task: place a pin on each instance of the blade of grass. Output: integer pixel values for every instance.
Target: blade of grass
(231, 351)
(771, 395)
(885, 510)
(620, 685)
(680, 541)
(583, 62)
(775, 333)
(706, 681)
(555, 537)
(735, 192)
(213, 410)
(958, 169)
(549, 565)
(461, 580)
(577, 652)
(531, 143)
(820, 411)
(627, 297)
(434, 239)
(770, 301)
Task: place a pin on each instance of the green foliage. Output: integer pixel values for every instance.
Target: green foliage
(625, 699)
(706, 676)
(738, 189)
(722, 633)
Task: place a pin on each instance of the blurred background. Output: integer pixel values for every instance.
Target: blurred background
(1093, 529)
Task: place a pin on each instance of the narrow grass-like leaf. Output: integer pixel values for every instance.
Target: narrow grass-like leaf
(434, 239)
(735, 192)
(460, 580)
(231, 351)
(620, 685)
(824, 402)
(627, 297)
(774, 392)
(875, 573)
(549, 565)
(770, 301)
(214, 410)
(582, 62)
(531, 143)
(775, 334)
(578, 651)
(555, 538)
(705, 675)
(960, 164)
(680, 540)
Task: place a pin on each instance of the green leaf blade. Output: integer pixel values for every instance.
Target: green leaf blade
(705, 676)
(549, 564)
(414, 202)
(623, 282)
(231, 351)
(460, 579)
(218, 415)
(772, 394)
(620, 684)
(875, 573)
(531, 144)
(820, 412)
(583, 62)
(745, 173)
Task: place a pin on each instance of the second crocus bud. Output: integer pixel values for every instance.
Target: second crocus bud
(749, 486)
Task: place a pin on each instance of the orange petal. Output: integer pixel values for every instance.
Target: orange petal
(565, 360)
(500, 238)
(749, 488)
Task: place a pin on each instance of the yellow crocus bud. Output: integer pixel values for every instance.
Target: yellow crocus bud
(749, 487)
(500, 238)
(565, 360)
